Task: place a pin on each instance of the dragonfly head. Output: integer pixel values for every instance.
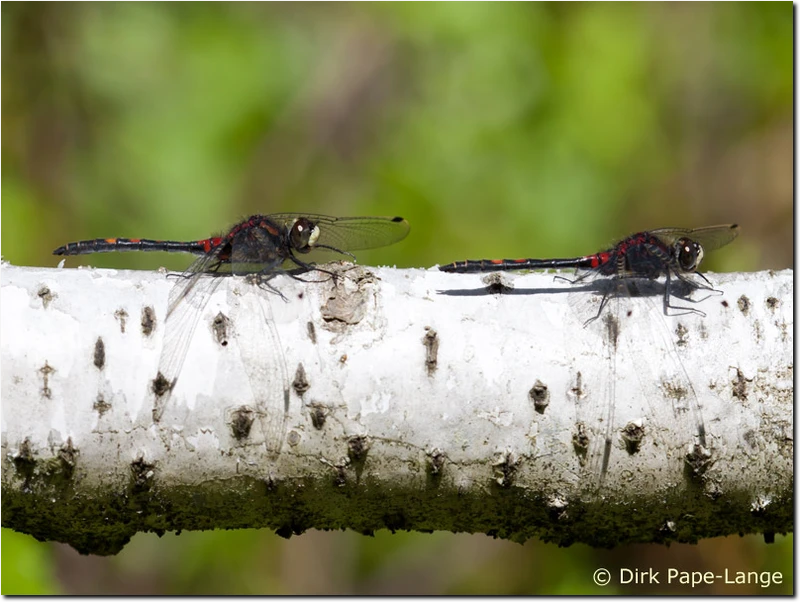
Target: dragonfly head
(689, 254)
(303, 235)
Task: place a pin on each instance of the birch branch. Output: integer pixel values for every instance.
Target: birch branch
(416, 400)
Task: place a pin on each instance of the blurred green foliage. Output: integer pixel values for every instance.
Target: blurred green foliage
(27, 566)
(527, 129)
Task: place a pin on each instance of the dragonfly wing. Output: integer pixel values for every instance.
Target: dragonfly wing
(264, 362)
(352, 233)
(710, 237)
(636, 394)
(187, 299)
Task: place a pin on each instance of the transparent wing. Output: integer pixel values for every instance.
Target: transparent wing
(352, 233)
(595, 396)
(187, 298)
(641, 394)
(181, 322)
(263, 359)
(710, 237)
(664, 378)
(259, 345)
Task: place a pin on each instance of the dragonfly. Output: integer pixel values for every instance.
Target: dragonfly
(258, 247)
(624, 269)
(675, 253)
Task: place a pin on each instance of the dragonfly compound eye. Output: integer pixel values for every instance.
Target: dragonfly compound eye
(690, 254)
(303, 235)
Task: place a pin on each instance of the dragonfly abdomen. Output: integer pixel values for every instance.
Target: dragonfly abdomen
(107, 245)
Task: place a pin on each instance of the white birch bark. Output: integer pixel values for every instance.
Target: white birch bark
(420, 406)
